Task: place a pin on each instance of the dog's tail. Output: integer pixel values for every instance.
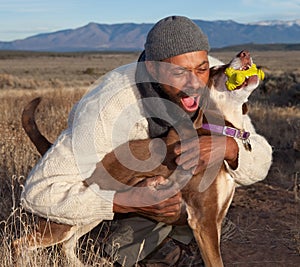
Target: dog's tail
(28, 122)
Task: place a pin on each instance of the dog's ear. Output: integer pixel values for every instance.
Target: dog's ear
(214, 74)
(198, 121)
(245, 108)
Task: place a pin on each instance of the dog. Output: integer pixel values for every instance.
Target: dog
(206, 209)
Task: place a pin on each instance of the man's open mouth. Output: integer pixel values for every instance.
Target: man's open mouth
(190, 103)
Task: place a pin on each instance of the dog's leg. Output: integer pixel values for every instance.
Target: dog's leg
(206, 212)
(69, 246)
(48, 234)
(206, 233)
(44, 235)
(21, 249)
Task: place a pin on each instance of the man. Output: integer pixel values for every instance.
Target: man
(173, 70)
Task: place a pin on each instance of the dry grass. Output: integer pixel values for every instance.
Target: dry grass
(43, 71)
(18, 156)
(62, 80)
(281, 127)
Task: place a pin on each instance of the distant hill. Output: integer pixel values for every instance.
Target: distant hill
(260, 47)
(131, 36)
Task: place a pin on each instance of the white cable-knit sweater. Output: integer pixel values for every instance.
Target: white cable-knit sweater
(109, 115)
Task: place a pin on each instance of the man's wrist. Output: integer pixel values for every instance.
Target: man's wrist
(232, 151)
(120, 197)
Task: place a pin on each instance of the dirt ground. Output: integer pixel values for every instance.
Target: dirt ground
(266, 215)
(267, 233)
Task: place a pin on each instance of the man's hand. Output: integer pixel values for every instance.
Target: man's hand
(199, 153)
(146, 200)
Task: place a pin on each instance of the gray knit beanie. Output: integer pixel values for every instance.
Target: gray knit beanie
(172, 36)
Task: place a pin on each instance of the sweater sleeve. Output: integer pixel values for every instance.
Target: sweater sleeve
(72, 204)
(253, 166)
(55, 189)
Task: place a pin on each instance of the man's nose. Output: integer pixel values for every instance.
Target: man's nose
(193, 81)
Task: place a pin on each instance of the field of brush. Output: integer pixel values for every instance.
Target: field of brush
(266, 215)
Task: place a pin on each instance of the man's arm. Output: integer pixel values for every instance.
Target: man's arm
(69, 199)
(246, 167)
(136, 185)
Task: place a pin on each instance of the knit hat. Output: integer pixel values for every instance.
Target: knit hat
(172, 36)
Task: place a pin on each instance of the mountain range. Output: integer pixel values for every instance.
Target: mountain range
(131, 36)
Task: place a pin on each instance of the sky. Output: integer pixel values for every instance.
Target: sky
(23, 18)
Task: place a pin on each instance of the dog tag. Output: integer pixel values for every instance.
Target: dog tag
(247, 145)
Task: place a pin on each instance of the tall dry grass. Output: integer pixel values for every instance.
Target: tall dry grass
(18, 156)
(281, 127)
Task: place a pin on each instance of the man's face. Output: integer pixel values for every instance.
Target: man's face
(184, 78)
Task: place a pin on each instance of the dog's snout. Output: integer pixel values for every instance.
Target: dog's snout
(245, 54)
(245, 59)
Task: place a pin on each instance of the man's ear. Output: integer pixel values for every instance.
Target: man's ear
(151, 68)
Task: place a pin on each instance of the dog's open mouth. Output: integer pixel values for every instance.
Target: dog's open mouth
(241, 77)
(246, 67)
(245, 83)
(248, 79)
(190, 103)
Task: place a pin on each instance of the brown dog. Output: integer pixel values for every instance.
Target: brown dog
(206, 207)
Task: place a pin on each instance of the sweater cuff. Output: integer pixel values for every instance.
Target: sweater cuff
(104, 207)
(252, 166)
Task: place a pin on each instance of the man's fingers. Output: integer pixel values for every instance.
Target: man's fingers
(198, 169)
(164, 209)
(169, 209)
(188, 159)
(168, 196)
(174, 200)
(155, 180)
(152, 181)
(184, 146)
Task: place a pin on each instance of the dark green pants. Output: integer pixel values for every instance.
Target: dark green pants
(132, 239)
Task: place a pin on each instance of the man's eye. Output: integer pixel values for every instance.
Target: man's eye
(203, 68)
(178, 72)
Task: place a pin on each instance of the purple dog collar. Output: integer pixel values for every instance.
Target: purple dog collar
(226, 130)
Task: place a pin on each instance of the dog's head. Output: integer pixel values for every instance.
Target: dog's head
(240, 73)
